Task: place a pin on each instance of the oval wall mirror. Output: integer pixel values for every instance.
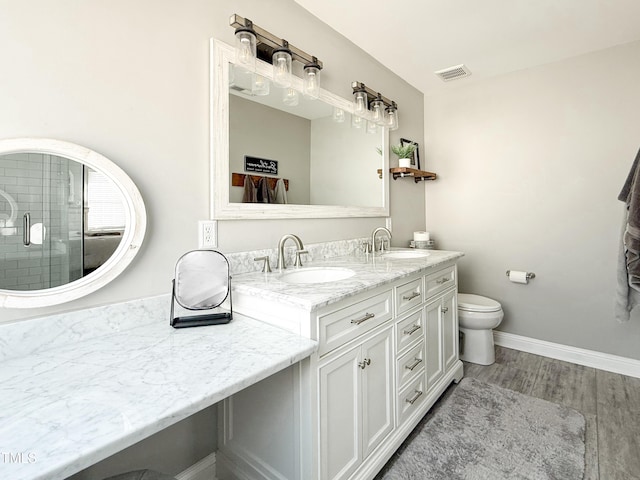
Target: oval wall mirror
(70, 222)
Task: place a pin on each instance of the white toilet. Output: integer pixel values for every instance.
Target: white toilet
(477, 317)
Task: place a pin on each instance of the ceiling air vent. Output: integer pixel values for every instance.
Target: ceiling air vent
(453, 73)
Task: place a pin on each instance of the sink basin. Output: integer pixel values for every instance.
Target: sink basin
(406, 254)
(317, 275)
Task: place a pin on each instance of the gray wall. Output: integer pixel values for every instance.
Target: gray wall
(264, 132)
(530, 165)
(131, 81)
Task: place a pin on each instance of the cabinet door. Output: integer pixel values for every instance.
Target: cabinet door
(340, 424)
(377, 390)
(433, 334)
(450, 329)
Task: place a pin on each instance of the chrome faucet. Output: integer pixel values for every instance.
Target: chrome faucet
(373, 238)
(299, 246)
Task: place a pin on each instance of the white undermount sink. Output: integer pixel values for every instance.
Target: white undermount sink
(405, 254)
(317, 275)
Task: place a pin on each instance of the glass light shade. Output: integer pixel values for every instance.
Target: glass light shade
(311, 81)
(246, 48)
(259, 85)
(357, 121)
(338, 115)
(360, 102)
(377, 111)
(290, 97)
(372, 127)
(282, 67)
(392, 118)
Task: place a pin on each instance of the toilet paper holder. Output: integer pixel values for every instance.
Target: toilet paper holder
(530, 275)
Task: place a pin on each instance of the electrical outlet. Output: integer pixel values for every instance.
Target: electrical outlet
(207, 234)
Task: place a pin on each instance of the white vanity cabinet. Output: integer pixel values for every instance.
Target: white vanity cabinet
(356, 404)
(385, 355)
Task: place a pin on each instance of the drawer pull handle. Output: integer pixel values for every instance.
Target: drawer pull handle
(417, 362)
(366, 317)
(443, 280)
(412, 296)
(411, 330)
(445, 309)
(413, 399)
(363, 364)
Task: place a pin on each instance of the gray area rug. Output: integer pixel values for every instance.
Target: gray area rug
(481, 431)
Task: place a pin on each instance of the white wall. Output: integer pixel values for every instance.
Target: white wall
(131, 81)
(530, 165)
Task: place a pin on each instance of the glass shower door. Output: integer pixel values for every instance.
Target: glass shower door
(39, 213)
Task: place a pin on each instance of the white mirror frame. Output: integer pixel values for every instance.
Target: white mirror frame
(136, 221)
(222, 55)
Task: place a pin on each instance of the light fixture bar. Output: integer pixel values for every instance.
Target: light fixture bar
(372, 94)
(272, 41)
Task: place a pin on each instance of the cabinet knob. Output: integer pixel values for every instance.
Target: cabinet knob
(445, 309)
(363, 364)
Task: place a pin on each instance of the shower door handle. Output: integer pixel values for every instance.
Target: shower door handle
(26, 229)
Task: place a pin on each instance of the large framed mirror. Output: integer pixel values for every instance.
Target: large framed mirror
(327, 168)
(70, 222)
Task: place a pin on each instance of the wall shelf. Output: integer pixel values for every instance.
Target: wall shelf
(417, 175)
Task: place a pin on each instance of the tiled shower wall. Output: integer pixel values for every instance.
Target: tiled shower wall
(40, 185)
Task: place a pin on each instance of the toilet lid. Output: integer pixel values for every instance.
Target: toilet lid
(477, 303)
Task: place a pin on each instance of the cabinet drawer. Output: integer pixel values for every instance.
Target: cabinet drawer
(409, 330)
(411, 399)
(408, 295)
(340, 326)
(410, 365)
(439, 281)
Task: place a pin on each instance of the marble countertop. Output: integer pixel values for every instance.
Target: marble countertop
(370, 273)
(77, 394)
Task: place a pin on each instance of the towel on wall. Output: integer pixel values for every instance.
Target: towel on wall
(264, 193)
(249, 195)
(280, 192)
(628, 288)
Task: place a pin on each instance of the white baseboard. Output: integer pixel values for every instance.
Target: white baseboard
(205, 469)
(580, 356)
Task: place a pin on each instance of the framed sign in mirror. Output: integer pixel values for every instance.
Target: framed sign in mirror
(330, 168)
(70, 222)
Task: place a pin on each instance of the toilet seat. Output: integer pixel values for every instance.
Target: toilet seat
(476, 303)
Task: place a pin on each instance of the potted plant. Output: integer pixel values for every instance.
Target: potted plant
(404, 153)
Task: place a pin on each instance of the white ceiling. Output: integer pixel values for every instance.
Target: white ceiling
(414, 38)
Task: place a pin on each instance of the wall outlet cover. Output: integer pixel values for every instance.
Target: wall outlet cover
(207, 234)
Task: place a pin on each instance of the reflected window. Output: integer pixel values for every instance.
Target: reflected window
(104, 207)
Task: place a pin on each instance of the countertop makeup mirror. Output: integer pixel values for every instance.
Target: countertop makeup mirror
(330, 169)
(70, 222)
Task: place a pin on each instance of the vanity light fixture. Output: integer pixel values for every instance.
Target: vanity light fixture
(360, 103)
(311, 80)
(281, 60)
(381, 110)
(277, 52)
(377, 110)
(392, 116)
(372, 127)
(246, 45)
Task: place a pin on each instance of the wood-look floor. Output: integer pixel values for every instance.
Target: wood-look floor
(609, 402)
